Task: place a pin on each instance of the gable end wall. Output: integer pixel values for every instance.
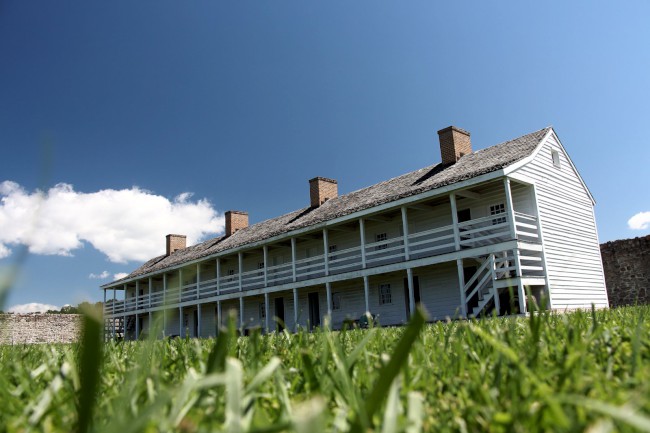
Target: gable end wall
(575, 268)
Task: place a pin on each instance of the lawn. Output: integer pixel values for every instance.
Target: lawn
(583, 371)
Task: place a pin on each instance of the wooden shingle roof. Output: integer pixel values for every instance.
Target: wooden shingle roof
(429, 178)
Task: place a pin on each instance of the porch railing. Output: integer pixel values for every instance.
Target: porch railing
(439, 240)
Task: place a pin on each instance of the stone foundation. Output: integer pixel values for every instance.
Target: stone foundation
(39, 328)
(626, 264)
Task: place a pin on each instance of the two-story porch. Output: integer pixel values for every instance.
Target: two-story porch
(456, 251)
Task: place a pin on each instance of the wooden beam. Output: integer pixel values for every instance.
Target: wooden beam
(379, 218)
(468, 194)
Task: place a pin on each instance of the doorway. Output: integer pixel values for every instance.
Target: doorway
(196, 324)
(314, 310)
(279, 313)
(416, 294)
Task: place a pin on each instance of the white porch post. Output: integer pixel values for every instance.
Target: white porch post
(180, 285)
(198, 314)
(241, 313)
(114, 299)
(362, 232)
(328, 292)
(515, 251)
(405, 230)
(295, 310)
(150, 283)
(137, 293)
(293, 258)
(218, 273)
(198, 280)
(265, 250)
(165, 289)
(218, 316)
(180, 322)
(366, 292)
(409, 276)
(461, 284)
(454, 219)
(240, 259)
(267, 313)
(326, 252)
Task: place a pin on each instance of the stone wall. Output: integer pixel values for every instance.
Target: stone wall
(39, 328)
(627, 271)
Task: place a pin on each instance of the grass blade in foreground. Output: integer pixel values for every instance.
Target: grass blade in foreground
(90, 364)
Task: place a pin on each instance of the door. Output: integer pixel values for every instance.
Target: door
(464, 215)
(314, 310)
(279, 313)
(416, 294)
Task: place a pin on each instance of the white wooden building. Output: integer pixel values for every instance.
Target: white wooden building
(459, 237)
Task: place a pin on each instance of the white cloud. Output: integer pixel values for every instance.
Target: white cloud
(33, 307)
(101, 276)
(127, 224)
(640, 221)
(119, 276)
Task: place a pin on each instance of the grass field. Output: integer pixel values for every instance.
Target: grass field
(585, 371)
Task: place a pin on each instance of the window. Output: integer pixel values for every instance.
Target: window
(262, 311)
(380, 237)
(231, 275)
(498, 209)
(260, 266)
(336, 301)
(332, 250)
(384, 294)
(555, 155)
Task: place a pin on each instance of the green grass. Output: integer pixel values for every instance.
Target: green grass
(585, 371)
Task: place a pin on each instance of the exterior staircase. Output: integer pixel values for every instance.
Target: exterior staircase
(482, 290)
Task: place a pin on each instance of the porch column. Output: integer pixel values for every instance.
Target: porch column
(180, 285)
(454, 219)
(295, 310)
(513, 233)
(405, 230)
(198, 314)
(165, 289)
(218, 274)
(328, 291)
(198, 280)
(180, 322)
(114, 299)
(241, 313)
(461, 283)
(409, 277)
(267, 312)
(150, 283)
(366, 292)
(104, 304)
(510, 209)
(240, 259)
(265, 249)
(362, 232)
(218, 316)
(326, 250)
(293, 258)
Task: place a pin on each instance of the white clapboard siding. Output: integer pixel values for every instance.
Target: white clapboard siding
(573, 258)
(439, 290)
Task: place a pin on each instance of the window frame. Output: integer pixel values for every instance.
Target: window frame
(385, 294)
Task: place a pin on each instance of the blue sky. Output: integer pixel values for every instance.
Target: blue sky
(136, 119)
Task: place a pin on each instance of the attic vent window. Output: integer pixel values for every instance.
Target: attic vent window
(555, 155)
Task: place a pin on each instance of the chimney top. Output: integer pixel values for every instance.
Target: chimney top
(322, 189)
(235, 220)
(174, 243)
(454, 143)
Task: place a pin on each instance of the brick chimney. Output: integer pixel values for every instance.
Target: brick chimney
(454, 143)
(322, 189)
(235, 220)
(175, 242)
